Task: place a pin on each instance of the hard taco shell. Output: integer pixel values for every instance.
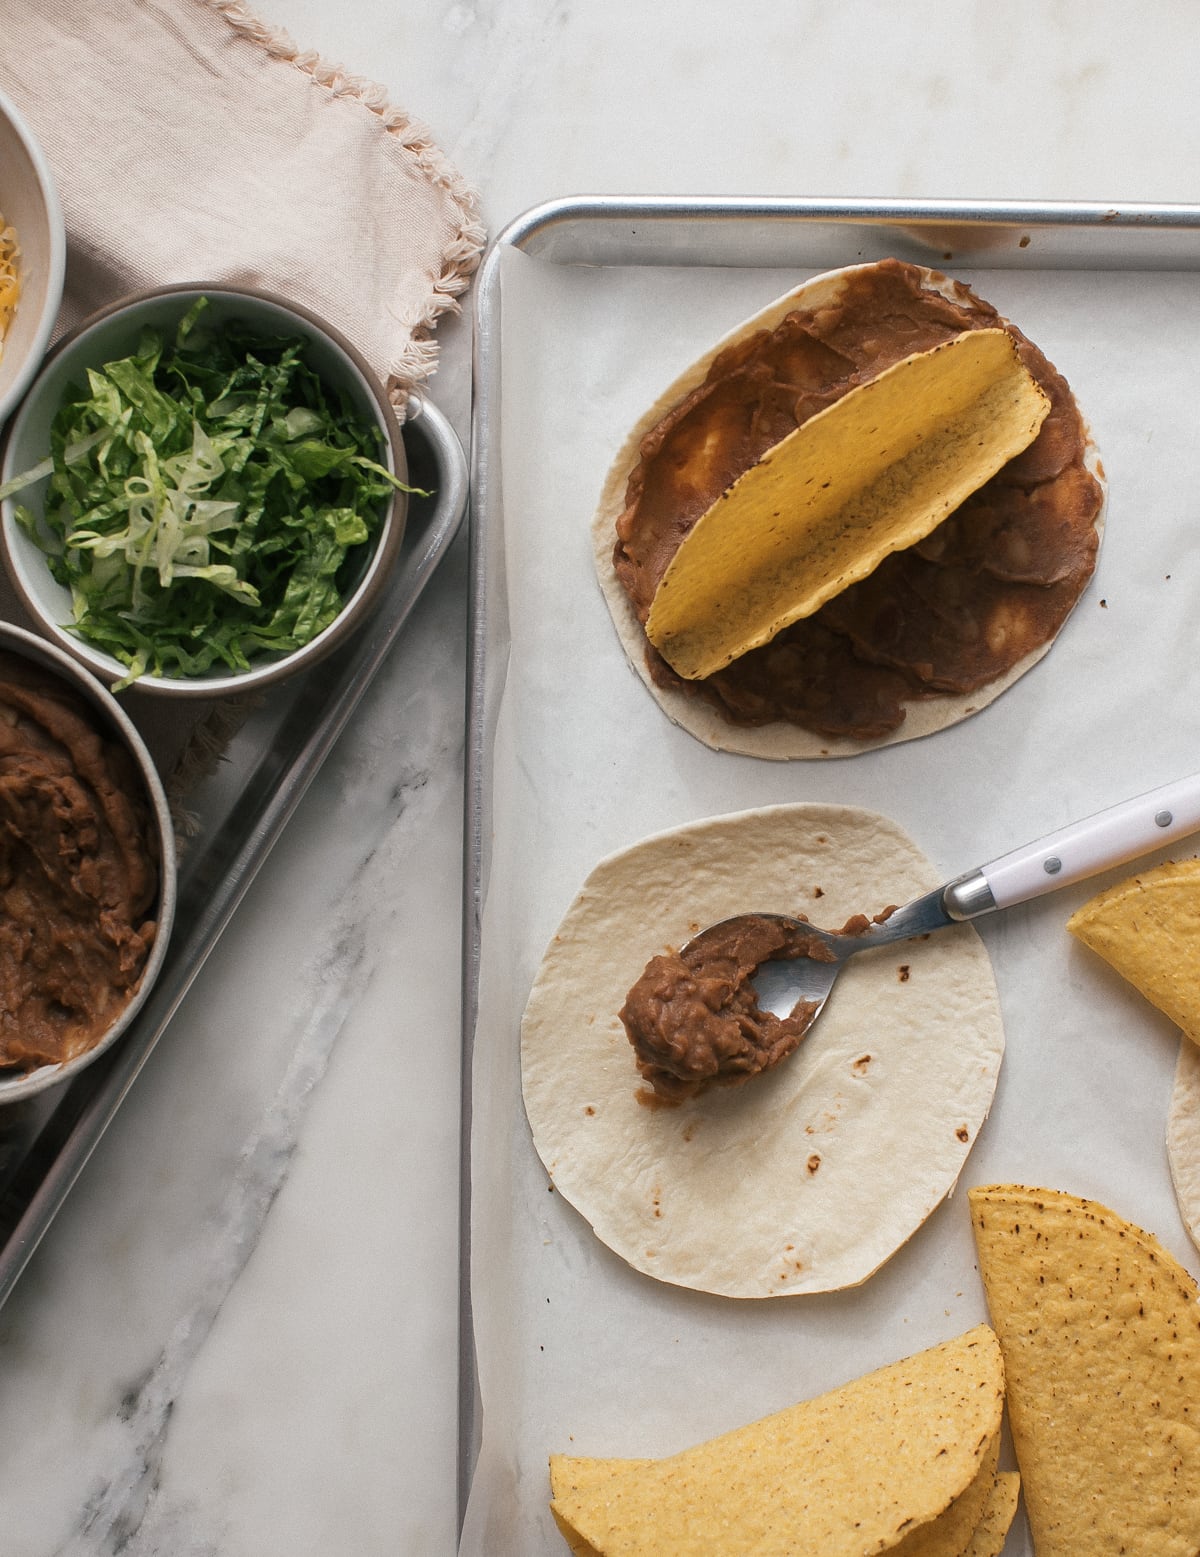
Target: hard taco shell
(777, 739)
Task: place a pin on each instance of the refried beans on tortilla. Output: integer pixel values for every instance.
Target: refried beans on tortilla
(953, 614)
(78, 872)
(693, 1015)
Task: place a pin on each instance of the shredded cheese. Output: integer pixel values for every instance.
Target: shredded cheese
(10, 279)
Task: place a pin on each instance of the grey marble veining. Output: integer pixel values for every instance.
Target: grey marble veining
(239, 1336)
(376, 846)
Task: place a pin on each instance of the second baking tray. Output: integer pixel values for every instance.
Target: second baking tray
(269, 764)
(586, 309)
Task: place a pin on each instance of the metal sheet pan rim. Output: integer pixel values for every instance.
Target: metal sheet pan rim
(362, 658)
(528, 230)
(1094, 236)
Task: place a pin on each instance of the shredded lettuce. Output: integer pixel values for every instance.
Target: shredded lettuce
(208, 500)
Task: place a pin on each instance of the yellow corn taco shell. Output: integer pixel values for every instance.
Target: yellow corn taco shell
(1148, 929)
(950, 1534)
(586, 1479)
(874, 473)
(589, 1479)
(862, 1469)
(979, 1516)
(1183, 1136)
(1100, 1330)
(575, 1542)
(991, 1532)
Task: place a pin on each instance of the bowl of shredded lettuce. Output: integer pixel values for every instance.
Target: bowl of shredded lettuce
(203, 491)
(33, 250)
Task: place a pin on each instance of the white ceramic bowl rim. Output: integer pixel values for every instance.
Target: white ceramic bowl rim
(11, 396)
(29, 646)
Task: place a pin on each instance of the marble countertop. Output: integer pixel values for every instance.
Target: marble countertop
(240, 1335)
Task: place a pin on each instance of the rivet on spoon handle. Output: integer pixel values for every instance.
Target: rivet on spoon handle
(1122, 832)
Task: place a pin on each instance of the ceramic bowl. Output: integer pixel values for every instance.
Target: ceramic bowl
(105, 714)
(113, 333)
(29, 204)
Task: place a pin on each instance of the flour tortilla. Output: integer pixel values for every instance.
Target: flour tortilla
(841, 1152)
(778, 741)
(1183, 1136)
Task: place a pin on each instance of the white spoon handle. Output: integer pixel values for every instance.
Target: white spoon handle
(1077, 851)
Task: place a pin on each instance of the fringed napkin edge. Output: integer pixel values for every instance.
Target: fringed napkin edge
(462, 256)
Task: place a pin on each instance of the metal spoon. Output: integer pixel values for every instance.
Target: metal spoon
(1122, 832)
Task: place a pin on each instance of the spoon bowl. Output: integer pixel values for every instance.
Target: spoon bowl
(807, 976)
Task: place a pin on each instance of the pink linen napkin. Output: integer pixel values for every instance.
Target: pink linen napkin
(192, 142)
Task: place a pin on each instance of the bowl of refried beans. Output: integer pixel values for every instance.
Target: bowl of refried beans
(87, 867)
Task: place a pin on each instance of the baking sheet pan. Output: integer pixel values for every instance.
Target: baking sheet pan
(236, 815)
(585, 310)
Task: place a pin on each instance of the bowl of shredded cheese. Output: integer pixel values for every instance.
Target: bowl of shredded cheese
(32, 255)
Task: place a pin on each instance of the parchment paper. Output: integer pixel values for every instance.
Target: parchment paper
(575, 1351)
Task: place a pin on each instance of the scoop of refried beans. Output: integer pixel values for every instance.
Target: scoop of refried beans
(78, 872)
(694, 1019)
(994, 582)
